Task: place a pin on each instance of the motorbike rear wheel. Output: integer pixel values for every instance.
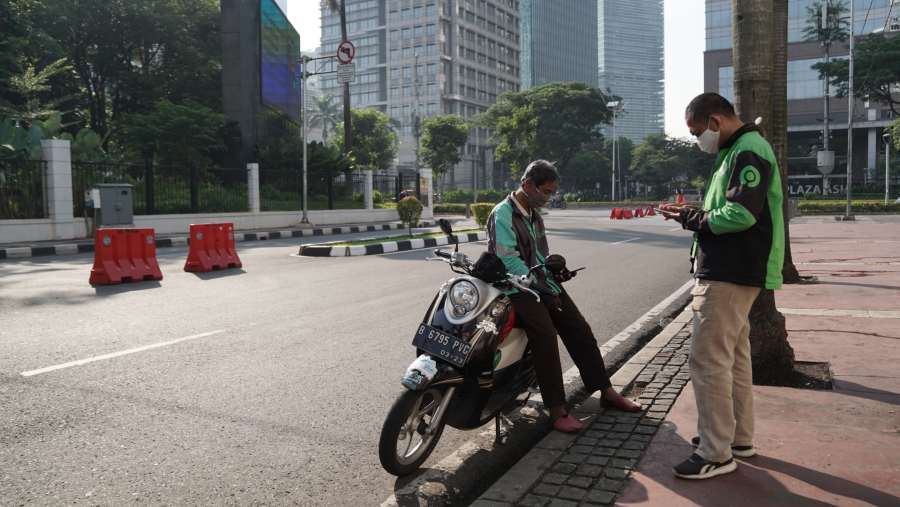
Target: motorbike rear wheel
(405, 441)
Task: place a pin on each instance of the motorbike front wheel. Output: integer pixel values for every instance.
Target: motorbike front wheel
(410, 432)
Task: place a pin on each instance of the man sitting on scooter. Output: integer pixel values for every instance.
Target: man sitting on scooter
(516, 235)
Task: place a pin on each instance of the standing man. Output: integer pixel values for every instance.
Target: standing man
(738, 250)
(516, 235)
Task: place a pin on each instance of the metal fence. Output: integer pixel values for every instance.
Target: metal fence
(386, 186)
(282, 190)
(23, 185)
(160, 190)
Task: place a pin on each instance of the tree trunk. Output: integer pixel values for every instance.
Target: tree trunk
(754, 36)
(778, 132)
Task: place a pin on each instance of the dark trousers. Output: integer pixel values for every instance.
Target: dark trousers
(542, 322)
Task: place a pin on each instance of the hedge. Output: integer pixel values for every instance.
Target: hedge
(482, 211)
(814, 207)
(450, 209)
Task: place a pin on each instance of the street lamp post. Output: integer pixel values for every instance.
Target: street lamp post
(850, 99)
(304, 60)
(887, 166)
(616, 106)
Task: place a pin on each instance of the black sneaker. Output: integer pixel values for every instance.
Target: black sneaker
(741, 451)
(696, 467)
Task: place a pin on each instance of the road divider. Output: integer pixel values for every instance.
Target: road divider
(211, 247)
(339, 250)
(124, 255)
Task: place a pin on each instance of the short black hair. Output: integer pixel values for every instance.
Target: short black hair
(706, 104)
(540, 172)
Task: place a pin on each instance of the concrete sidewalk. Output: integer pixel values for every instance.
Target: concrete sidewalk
(838, 447)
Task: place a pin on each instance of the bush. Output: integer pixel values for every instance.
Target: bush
(377, 197)
(482, 211)
(465, 196)
(823, 206)
(409, 209)
(450, 209)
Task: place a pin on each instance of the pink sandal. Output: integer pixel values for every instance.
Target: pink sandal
(568, 424)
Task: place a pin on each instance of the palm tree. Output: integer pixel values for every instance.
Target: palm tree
(327, 115)
(754, 38)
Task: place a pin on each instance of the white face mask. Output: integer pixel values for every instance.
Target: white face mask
(708, 141)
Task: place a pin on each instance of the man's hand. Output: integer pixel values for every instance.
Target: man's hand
(671, 215)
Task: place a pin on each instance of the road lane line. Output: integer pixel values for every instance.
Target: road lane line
(111, 355)
(676, 229)
(625, 241)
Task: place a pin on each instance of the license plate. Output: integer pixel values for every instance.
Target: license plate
(442, 345)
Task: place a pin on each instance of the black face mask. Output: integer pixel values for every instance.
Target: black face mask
(536, 199)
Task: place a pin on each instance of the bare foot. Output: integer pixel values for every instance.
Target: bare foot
(615, 400)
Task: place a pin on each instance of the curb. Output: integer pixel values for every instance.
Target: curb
(326, 250)
(522, 477)
(433, 487)
(87, 246)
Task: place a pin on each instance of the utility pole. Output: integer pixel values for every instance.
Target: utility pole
(417, 121)
(615, 105)
(826, 42)
(887, 166)
(850, 99)
(304, 61)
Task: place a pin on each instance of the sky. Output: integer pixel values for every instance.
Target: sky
(684, 43)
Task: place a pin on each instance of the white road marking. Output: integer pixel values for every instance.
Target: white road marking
(676, 229)
(111, 355)
(625, 241)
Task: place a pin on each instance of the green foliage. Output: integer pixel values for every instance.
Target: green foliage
(442, 140)
(666, 163)
(177, 133)
(835, 27)
(876, 70)
(895, 133)
(586, 169)
(481, 211)
(465, 196)
(326, 115)
(450, 209)
(836, 206)
(409, 209)
(374, 141)
(554, 122)
(699, 184)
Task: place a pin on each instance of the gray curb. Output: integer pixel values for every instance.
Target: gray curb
(326, 250)
(445, 476)
(87, 246)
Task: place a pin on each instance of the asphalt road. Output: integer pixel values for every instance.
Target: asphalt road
(266, 385)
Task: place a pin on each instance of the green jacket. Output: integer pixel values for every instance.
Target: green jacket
(739, 233)
(520, 242)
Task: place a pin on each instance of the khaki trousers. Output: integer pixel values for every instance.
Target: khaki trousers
(721, 372)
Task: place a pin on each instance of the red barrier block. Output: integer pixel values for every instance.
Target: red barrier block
(638, 212)
(651, 212)
(612, 213)
(211, 247)
(124, 255)
(627, 214)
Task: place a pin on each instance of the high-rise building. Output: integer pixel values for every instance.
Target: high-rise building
(559, 41)
(427, 57)
(630, 63)
(806, 94)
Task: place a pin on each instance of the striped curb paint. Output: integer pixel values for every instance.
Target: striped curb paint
(25, 252)
(330, 250)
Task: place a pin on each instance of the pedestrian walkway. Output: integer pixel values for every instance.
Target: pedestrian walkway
(816, 447)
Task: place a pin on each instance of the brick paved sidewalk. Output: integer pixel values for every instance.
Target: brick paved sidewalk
(816, 448)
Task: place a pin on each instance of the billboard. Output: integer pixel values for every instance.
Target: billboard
(279, 70)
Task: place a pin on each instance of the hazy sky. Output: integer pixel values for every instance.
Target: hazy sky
(684, 38)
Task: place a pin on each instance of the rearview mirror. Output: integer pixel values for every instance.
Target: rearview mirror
(445, 226)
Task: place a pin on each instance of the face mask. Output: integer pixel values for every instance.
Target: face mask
(536, 200)
(708, 141)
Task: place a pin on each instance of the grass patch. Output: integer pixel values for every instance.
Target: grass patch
(405, 237)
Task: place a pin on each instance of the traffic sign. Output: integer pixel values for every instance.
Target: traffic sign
(346, 51)
(346, 73)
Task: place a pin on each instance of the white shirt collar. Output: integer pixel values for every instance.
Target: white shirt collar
(519, 205)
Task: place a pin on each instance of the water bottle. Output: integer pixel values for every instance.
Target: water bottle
(419, 373)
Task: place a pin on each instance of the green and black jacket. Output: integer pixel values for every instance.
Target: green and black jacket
(521, 242)
(739, 232)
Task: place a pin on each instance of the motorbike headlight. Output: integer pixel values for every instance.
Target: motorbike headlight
(463, 297)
